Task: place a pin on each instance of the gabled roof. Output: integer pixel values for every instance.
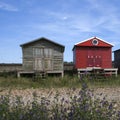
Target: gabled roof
(39, 39)
(90, 43)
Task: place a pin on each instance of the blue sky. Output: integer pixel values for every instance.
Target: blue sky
(64, 21)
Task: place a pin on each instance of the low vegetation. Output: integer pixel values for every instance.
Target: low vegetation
(81, 106)
(58, 82)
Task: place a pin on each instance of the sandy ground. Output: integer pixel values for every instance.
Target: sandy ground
(27, 94)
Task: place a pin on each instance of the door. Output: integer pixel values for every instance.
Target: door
(38, 64)
(43, 59)
(94, 58)
(48, 55)
(97, 60)
(90, 60)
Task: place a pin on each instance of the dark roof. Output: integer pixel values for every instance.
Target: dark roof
(116, 50)
(42, 38)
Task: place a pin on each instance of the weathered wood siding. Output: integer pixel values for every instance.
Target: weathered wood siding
(58, 59)
(117, 59)
(18, 67)
(7, 67)
(27, 58)
(42, 55)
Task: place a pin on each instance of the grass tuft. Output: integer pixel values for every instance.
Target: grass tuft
(58, 82)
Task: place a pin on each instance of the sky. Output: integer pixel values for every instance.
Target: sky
(64, 21)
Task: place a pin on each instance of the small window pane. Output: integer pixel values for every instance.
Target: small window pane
(38, 52)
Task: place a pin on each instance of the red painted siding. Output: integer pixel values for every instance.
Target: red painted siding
(106, 58)
(92, 56)
(80, 57)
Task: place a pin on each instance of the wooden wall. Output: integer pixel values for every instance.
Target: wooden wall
(117, 59)
(4, 67)
(94, 56)
(18, 67)
(37, 55)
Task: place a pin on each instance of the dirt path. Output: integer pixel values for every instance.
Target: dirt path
(27, 94)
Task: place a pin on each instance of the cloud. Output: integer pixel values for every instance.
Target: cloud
(96, 20)
(7, 7)
(107, 11)
(81, 22)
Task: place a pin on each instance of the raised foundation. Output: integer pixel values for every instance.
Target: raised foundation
(95, 70)
(19, 73)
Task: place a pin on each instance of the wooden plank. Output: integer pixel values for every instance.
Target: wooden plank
(112, 71)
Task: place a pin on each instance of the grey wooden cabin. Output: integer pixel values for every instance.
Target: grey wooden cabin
(42, 55)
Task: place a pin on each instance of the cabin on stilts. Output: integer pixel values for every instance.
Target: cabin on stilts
(93, 55)
(42, 56)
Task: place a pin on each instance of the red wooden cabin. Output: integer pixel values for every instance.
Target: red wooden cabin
(93, 52)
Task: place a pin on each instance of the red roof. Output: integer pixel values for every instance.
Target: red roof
(94, 41)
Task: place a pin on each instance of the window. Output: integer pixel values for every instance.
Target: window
(43, 52)
(38, 52)
(48, 52)
(95, 42)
